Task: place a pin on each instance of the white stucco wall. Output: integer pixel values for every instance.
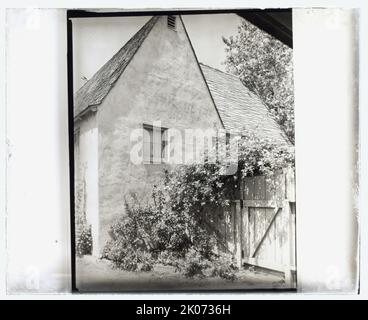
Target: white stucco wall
(87, 169)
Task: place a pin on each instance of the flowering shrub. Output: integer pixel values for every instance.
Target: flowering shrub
(224, 268)
(191, 194)
(178, 227)
(194, 264)
(131, 245)
(83, 243)
(261, 156)
(83, 240)
(126, 258)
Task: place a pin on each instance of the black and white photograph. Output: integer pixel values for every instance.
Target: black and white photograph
(184, 158)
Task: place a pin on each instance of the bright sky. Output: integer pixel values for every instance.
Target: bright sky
(96, 40)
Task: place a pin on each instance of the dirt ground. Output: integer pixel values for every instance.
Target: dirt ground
(95, 275)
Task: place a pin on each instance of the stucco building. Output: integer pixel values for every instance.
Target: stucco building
(154, 78)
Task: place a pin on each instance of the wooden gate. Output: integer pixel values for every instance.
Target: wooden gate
(262, 224)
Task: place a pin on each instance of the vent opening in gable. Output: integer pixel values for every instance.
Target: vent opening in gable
(171, 22)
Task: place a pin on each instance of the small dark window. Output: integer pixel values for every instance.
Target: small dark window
(171, 22)
(154, 144)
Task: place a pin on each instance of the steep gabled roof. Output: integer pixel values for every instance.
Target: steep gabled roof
(239, 108)
(96, 89)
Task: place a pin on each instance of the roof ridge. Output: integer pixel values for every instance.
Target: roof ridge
(218, 70)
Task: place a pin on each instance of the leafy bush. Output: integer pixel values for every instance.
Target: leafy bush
(83, 243)
(189, 197)
(225, 272)
(179, 227)
(176, 226)
(131, 245)
(84, 240)
(261, 156)
(193, 268)
(166, 258)
(224, 268)
(126, 258)
(194, 264)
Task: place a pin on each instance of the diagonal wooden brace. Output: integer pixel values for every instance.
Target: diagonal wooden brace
(276, 212)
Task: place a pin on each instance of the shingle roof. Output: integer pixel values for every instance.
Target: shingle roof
(239, 108)
(96, 89)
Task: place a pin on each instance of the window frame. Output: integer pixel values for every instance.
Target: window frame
(151, 159)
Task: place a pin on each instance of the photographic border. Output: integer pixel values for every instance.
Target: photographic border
(283, 35)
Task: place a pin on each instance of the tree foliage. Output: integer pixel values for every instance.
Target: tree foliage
(265, 66)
